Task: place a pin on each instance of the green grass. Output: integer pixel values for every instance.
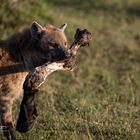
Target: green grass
(100, 100)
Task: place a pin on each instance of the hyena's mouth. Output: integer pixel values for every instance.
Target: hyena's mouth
(60, 54)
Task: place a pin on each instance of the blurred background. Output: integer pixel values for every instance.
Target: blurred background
(101, 98)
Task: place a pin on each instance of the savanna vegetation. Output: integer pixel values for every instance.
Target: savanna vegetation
(100, 100)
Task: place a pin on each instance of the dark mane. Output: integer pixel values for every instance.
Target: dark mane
(19, 44)
(22, 50)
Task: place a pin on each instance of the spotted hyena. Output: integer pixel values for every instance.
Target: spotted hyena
(21, 53)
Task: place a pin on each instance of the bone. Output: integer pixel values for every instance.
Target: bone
(38, 76)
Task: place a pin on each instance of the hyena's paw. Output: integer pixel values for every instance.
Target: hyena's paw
(9, 132)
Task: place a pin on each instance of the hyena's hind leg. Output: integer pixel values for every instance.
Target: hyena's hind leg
(6, 119)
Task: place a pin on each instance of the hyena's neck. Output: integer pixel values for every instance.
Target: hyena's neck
(24, 50)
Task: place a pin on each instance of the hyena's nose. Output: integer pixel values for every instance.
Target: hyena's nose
(66, 55)
(61, 54)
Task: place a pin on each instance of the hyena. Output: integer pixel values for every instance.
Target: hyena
(21, 53)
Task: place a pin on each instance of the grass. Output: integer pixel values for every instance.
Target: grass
(100, 99)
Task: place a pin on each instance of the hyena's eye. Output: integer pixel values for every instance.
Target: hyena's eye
(52, 46)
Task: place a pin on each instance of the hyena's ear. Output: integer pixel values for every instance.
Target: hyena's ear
(63, 27)
(36, 30)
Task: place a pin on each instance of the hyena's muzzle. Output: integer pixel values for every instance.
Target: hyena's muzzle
(59, 53)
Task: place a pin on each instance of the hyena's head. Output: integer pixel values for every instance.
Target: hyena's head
(52, 40)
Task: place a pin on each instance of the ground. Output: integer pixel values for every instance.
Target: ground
(100, 100)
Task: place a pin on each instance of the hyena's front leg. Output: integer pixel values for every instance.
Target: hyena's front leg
(6, 119)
